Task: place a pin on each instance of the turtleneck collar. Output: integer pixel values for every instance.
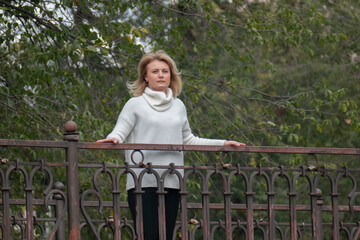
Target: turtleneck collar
(159, 100)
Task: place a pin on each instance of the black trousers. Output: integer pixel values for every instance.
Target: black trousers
(150, 211)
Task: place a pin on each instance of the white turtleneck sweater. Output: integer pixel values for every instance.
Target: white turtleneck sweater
(156, 118)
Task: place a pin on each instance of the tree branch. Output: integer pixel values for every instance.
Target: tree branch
(198, 15)
(39, 20)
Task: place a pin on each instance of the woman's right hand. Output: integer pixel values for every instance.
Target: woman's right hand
(108, 140)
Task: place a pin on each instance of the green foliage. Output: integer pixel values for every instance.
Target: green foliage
(283, 73)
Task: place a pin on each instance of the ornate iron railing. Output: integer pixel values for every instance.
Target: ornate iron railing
(71, 191)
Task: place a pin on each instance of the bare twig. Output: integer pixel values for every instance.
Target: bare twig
(44, 22)
(198, 15)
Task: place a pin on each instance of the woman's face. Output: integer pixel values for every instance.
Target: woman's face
(158, 75)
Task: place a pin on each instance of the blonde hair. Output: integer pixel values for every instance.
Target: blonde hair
(137, 87)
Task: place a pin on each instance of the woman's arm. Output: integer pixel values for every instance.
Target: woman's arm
(124, 125)
(108, 140)
(234, 143)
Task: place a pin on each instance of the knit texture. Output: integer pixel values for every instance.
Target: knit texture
(156, 118)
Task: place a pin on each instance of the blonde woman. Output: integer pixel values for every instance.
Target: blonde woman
(156, 116)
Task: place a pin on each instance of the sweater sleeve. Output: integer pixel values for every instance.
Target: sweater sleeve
(125, 123)
(190, 139)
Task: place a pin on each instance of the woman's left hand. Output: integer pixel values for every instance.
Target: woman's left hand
(234, 143)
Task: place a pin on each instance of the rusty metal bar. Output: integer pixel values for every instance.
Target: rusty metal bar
(271, 214)
(213, 206)
(249, 215)
(174, 147)
(161, 214)
(117, 214)
(73, 185)
(60, 234)
(254, 224)
(183, 208)
(315, 210)
(292, 212)
(318, 214)
(29, 214)
(335, 213)
(33, 143)
(139, 215)
(246, 149)
(228, 220)
(5, 189)
(206, 212)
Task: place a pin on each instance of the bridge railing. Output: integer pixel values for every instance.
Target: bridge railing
(75, 190)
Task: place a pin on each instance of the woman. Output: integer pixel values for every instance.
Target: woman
(156, 116)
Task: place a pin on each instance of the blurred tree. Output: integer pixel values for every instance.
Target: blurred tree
(264, 72)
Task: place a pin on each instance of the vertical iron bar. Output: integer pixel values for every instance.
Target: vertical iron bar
(228, 221)
(249, 216)
(60, 233)
(29, 214)
(292, 202)
(271, 214)
(319, 204)
(139, 214)
(335, 213)
(183, 212)
(315, 217)
(161, 213)
(6, 211)
(206, 213)
(73, 185)
(117, 215)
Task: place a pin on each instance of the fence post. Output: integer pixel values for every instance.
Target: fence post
(60, 234)
(6, 221)
(73, 186)
(317, 203)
